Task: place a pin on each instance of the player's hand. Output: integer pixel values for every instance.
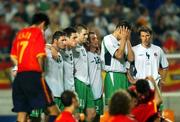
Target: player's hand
(151, 79)
(133, 81)
(124, 32)
(161, 83)
(54, 53)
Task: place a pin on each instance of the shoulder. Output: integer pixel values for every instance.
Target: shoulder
(155, 47)
(107, 37)
(136, 47)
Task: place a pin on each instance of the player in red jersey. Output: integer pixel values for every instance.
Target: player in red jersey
(148, 101)
(120, 107)
(70, 102)
(30, 90)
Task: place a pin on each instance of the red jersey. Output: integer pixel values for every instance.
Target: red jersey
(121, 118)
(27, 46)
(65, 117)
(143, 111)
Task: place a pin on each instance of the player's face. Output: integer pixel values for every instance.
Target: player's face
(82, 36)
(61, 42)
(73, 40)
(94, 41)
(145, 38)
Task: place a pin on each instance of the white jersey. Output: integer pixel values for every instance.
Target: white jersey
(108, 48)
(81, 64)
(148, 61)
(68, 70)
(54, 74)
(95, 74)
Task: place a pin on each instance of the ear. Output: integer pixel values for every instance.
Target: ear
(42, 25)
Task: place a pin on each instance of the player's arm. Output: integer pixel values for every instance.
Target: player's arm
(123, 34)
(129, 73)
(130, 55)
(164, 65)
(14, 60)
(130, 77)
(41, 61)
(163, 74)
(157, 93)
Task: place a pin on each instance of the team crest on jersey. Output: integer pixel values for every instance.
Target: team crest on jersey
(155, 54)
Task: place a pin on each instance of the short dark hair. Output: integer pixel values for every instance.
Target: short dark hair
(69, 31)
(57, 34)
(80, 27)
(142, 86)
(146, 94)
(67, 97)
(123, 23)
(144, 29)
(120, 103)
(39, 18)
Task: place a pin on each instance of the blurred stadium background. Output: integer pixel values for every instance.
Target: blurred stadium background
(163, 16)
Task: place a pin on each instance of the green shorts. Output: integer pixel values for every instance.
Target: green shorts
(99, 106)
(58, 102)
(114, 81)
(85, 95)
(36, 113)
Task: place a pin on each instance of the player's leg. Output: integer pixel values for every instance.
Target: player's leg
(21, 117)
(19, 99)
(108, 86)
(99, 108)
(40, 95)
(90, 105)
(81, 92)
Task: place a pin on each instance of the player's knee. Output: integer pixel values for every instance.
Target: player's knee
(91, 114)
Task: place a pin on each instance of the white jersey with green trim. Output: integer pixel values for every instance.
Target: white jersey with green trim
(54, 73)
(108, 48)
(68, 69)
(95, 74)
(81, 64)
(148, 61)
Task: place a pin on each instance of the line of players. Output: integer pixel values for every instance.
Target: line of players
(74, 62)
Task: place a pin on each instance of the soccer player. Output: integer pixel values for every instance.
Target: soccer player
(82, 83)
(54, 66)
(115, 51)
(94, 64)
(71, 42)
(70, 102)
(30, 90)
(149, 58)
(120, 107)
(148, 101)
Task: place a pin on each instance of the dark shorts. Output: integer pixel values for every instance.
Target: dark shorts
(30, 91)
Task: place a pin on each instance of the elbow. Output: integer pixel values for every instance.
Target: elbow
(131, 59)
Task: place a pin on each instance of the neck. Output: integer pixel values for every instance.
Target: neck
(146, 46)
(69, 109)
(93, 49)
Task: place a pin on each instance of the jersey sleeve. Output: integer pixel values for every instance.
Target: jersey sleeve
(111, 48)
(40, 45)
(163, 60)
